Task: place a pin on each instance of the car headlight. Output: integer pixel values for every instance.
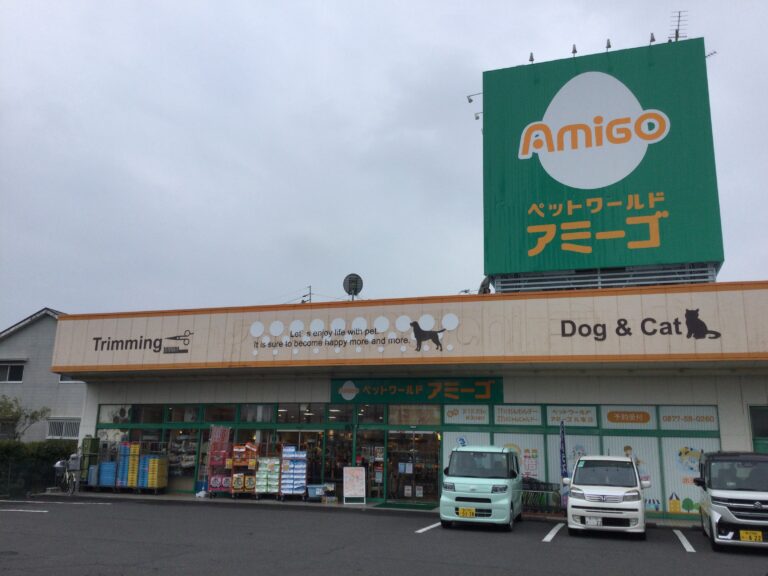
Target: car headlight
(632, 496)
(576, 494)
(449, 486)
(498, 488)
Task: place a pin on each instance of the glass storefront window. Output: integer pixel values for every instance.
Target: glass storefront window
(414, 414)
(340, 413)
(114, 414)
(220, 413)
(300, 413)
(183, 413)
(370, 413)
(338, 453)
(265, 439)
(147, 414)
(257, 413)
(182, 459)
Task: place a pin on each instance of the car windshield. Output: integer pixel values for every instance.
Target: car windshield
(605, 473)
(739, 475)
(478, 464)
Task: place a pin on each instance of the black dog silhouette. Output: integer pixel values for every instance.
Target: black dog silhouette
(422, 335)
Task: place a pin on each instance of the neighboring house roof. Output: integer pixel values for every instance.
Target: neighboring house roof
(29, 320)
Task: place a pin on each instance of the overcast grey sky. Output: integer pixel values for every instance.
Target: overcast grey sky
(179, 154)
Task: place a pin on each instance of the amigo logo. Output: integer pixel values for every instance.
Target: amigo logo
(594, 132)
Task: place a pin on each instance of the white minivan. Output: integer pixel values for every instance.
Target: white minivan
(606, 493)
(482, 484)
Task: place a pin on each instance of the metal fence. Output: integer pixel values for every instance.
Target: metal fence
(541, 497)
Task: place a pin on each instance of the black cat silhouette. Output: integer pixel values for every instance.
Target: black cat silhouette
(422, 335)
(696, 326)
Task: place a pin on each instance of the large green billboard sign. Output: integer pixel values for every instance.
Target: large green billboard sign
(600, 161)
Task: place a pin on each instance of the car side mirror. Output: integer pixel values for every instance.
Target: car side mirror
(700, 483)
(566, 481)
(445, 470)
(512, 474)
(645, 484)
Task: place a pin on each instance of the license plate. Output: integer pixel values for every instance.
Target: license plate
(593, 521)
(750, 535)
(466, 512)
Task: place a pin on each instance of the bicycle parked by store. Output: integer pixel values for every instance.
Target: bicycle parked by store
(67, 474)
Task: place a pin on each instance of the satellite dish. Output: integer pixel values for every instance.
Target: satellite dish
(353, 285)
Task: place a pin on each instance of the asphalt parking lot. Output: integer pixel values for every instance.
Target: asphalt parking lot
(62, 536)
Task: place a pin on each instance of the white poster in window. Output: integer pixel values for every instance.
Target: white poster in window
(628, 417)
(470, 414)
(517, 415)
(572, 415)
(453, 439)
(575, 447)
(645, 452)
(419, 491)
(407, 491)
(681, 466)
(530, 452)
(688, 417)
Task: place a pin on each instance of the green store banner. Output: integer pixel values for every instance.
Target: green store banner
(417, 391)
(600, 161)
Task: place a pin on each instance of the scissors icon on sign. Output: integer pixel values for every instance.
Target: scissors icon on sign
(184, 338)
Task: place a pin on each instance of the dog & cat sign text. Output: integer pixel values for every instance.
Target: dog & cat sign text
(695, 328)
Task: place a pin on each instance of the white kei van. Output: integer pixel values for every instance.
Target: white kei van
(482, 484)
(606, 493)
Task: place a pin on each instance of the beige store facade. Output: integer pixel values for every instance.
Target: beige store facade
(663, 373)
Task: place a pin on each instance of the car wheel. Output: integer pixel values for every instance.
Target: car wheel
(573, 532)
(446, 523)
(640, 536)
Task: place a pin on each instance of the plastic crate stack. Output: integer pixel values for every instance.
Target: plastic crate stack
(107, 474)
(128, 464)
(153, 471)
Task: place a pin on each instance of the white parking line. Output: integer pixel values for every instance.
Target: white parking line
(427, 528)
(553, 533)
(33, 503)
(684, 541)
(19, 510)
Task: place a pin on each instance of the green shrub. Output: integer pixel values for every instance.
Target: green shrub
(28, 467)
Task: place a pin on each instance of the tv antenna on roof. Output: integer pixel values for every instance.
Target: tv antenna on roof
(679, 23)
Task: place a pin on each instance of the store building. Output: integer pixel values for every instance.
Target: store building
(602, 242)
(664, 373)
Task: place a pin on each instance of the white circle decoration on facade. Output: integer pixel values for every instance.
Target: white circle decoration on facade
(381, 348)
(594, 132)
(295, 351)
(359, 323)
(427, 322)
(297, 326)
(337, 349)
(255, 352)
(449, 347)
(305, 338)
(257, 329)
(316, 350)
(317, 325)
(403, 323)
(276, 328)
(274, 352)
(403, 348)
(266, 340)
(358, 349)
(450, 321)
(338, 324)
(381, 324)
